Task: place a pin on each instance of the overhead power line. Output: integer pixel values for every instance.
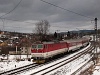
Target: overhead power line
(44, 2)
(65, 9)
(11, 10)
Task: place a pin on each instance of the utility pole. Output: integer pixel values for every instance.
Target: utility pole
(16, 52)
(57, 34)
(96, 40)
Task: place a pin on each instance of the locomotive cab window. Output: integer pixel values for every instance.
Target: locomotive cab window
(34, 46)
(40, 46)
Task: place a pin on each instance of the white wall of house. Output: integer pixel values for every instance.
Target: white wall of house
(24, 50)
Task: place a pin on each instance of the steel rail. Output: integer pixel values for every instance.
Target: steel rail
(16, 70)
(74, 73)
(68, 60)
(64, 64)
(32, 66)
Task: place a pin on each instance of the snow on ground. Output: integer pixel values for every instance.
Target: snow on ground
(97, 70)
(64, 70)
(67, 69)
(12, 64)
(71, 67)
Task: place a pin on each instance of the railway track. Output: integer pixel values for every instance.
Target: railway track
(47, 70)
(18, 70)
(77, 72)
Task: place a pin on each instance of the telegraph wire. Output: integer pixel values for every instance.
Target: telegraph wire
(11, 10)
(44, 2)
(65, 9)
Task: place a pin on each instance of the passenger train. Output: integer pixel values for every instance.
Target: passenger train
(42, 51)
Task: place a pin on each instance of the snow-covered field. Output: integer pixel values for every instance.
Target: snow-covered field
(12, 64)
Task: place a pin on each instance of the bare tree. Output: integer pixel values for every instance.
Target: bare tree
(42, 27)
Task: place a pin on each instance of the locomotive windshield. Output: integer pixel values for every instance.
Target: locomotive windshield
(37, 46)
(34, 46)
(40, 46)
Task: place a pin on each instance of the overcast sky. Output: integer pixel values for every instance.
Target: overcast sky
(28, 12)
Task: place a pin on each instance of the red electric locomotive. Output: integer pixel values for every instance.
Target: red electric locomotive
(42, 51)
